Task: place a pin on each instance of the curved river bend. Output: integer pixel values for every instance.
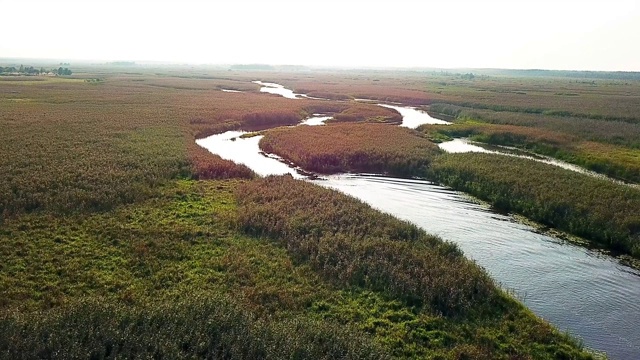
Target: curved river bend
(582, 291)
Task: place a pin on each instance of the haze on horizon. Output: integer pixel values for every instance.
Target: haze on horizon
(566, 35)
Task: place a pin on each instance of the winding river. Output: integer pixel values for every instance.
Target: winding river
(587, 293)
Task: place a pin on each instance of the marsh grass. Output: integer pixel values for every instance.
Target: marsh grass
(211, 327)
(378, 148)
(616, 161)
(596, 209)
(446, 302)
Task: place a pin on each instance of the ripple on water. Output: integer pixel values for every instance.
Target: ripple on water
(574, 288)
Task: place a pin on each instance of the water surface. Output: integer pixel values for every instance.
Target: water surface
(412, 117)
(273, 88)
(466, 146)
(231, 146)
(315, 120)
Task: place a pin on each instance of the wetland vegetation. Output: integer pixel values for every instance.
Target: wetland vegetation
(120, 237)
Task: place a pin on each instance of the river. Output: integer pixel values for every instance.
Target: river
(277, 89)
(412, 117)
(587, 293)
(578, 290)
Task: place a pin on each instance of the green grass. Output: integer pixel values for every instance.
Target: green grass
(155, 254)
(115, 276)
(211, 327)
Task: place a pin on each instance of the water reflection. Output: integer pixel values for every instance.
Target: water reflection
(273, 88)
(231, 146)
(412, 117)
(465, 146)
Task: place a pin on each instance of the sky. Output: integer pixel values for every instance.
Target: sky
(542, 34)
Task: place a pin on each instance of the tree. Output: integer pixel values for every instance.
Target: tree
(64, 71)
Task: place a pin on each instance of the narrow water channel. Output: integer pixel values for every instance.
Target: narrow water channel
(412, 117)
(465, 146)
(231, 146)
(456, 146)
(277, 89)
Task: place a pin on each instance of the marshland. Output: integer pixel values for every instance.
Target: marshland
(320, 180)
(122, 236)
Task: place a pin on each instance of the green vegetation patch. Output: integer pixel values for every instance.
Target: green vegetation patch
(68, 158)
(211, 327)
(415, 293)
(160, 273)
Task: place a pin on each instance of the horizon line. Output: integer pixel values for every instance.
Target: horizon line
(141, 62)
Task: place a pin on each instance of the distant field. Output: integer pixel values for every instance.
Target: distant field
(37, 80)
(599, 115)
(589, 98)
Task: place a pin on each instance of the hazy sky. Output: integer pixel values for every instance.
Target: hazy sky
(592, 35)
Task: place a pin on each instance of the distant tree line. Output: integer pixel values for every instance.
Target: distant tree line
(574, 74)
(30, 70)
(122, 63)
